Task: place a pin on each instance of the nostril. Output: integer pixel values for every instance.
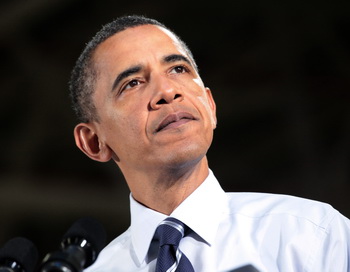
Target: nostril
(177, 96)
(161, 101)
(168, 99)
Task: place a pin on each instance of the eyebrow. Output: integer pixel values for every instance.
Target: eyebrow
(126, 73)
(137, 68)
(175, 58)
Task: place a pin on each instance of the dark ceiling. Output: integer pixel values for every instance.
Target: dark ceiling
(279, 72)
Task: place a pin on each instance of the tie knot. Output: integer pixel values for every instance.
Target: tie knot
(170, 231)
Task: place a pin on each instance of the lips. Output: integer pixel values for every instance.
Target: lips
(174, 120)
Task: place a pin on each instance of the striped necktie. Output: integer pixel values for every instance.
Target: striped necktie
(170, 258)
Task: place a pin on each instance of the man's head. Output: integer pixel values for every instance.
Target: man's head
(153, 110)
(84, 74)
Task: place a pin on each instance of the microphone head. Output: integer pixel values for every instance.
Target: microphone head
(22, 251)
(80, 247)
(89, 229)
(246, 268)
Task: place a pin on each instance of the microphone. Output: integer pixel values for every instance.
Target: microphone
(18, 255)
(80, 247)
(245, 268)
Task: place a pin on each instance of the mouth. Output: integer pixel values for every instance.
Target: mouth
(175, 120)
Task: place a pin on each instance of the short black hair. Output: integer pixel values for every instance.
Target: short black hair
(84, 74)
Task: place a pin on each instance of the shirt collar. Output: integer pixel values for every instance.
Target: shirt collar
(144, 222)
(201, 211)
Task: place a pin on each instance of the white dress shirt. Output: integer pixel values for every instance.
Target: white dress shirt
(271, 232)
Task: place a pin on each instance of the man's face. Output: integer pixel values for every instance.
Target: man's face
(153, 108)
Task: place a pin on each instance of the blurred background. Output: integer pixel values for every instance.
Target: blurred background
(279, 71)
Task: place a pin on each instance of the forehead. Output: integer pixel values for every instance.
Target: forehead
(133, 44)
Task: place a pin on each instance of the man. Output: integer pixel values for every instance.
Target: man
(142, 103)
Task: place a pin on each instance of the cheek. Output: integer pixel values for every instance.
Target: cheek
(128, 127)
(205, 107)
(198, 82)
(124, 126)
(122, 135)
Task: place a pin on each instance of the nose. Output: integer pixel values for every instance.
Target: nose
(165, 92)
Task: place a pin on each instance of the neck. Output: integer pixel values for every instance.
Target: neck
(163, 190)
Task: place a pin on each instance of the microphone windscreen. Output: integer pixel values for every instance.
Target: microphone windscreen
(246, 268)
(89, 229)
(22, 251)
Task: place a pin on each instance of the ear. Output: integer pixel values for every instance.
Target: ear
(88, 141)
(212, 106)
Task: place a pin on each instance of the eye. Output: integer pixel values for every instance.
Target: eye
(131, 84)
(178, 70)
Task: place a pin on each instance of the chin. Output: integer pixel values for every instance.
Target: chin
(186, 157)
